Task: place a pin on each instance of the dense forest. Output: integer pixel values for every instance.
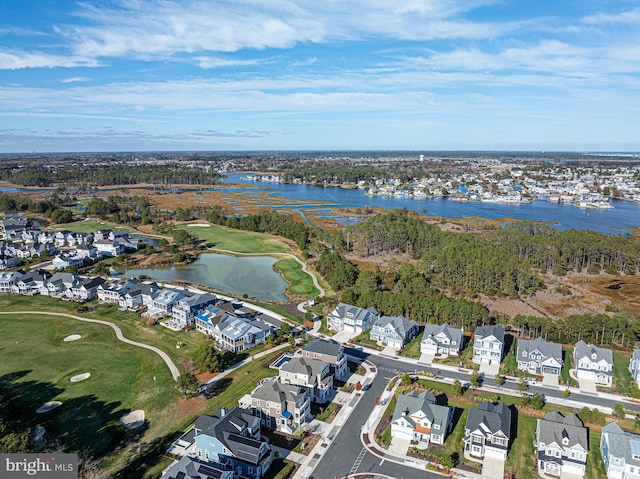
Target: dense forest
(348, 173)
(504, 262)
(87, 176)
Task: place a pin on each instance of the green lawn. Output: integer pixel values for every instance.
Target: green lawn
(621, 372)
(566, 366)
(412, 348)
(37, 365)
(220, 237)
(88, 226)
(300, 283)
(520, 460)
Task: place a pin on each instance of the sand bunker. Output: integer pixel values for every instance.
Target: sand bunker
(199, 225)
(133, 420)
(48, 406)
(73, 337)
(80, 377)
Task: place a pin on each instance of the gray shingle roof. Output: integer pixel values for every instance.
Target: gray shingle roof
(495, 330)
(278, 392)
(413, 402)
(191, 468)
(454, 334)
(308, 366)
(555, 427)
(400, 324)
(324, 346)
(547, 349)
(622, 444)
(583, 349)
(493, 417)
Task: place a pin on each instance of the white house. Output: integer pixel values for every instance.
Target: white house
(351, 318)
(487, 431)
(593, 363)
(395, 331)
(538, 356)
(417, 417)
(620, 452)
(441, 340)
(488, 344)
(634, 365)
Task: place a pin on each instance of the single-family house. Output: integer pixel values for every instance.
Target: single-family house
(593, 363)
(329, 351)
(164, 300)
(112, 291)
(313, 374)
(86, 290)
(488, 344)
(87, 252)
(634, 365)
(192, 468)
(108, 247)
(281, 407)
(562, 445)
(441, 340)
(186, 308)
(231, 439)
(538, 356)
(8, 279)
(620, 452)
(394, 331)
(417, 417)
(66, 260)
(238, 334)
(135, 297)
(487, 431)
(30, 283)
(207, 318)
(60, 238)
(58, 285)
(8, 261)
(351, 318)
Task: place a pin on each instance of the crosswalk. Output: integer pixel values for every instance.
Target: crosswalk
(359, 459)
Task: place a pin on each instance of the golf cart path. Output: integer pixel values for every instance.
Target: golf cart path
(170, 364)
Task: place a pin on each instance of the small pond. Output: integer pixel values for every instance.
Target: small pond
(253, 275)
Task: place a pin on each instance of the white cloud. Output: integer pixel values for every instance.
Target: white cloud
(75, 79)
(15, 60)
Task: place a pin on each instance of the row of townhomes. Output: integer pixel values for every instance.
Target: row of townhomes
(229, 445)
(232, 326)
(21, 241)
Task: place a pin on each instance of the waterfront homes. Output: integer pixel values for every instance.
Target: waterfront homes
(137, 296)
(620, 452)
(487, 431)
(329, 351)
(186, 308)
(30, 283)
(231, 440)
(488, 345)
(313, 374)
(236, 334)
(58, 284)
(113, 290)
(562, 445)
(593, 363)
(282, 407)
(539, 356)
(441, 340)
(351, 318)
(394, 331)
(417, 417)
(85, 290)
(634, 363)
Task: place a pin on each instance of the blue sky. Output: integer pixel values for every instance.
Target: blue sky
(137, 75)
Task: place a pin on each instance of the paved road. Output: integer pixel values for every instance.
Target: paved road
(170, 364)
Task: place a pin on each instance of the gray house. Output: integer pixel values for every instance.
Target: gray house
(329, 351)
(417, 417)
(313, 374)
(620, 452)
(562, 445)
(192, 468)
(539, 356)
(441, 340)
(395, 331)
(634, 364)
(351, 318)
(487, 431)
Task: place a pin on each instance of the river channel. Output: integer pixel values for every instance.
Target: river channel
(251, 275)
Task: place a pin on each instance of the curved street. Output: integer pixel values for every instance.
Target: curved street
(170, 364)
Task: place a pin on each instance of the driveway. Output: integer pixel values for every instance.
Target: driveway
(492, 468)
(550, 380)
(489, 369)
(426, 358)
(587, 386)
(389, 351)
(399, 446)
(343, 336)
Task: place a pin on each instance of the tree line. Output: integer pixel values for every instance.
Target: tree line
(88, 176)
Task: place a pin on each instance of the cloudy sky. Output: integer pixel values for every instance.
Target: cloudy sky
(136, 75)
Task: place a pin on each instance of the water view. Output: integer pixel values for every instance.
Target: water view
(253, 275)
(624, 215)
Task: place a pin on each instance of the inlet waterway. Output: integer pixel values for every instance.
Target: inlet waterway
(236, 275)
(618, 220)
